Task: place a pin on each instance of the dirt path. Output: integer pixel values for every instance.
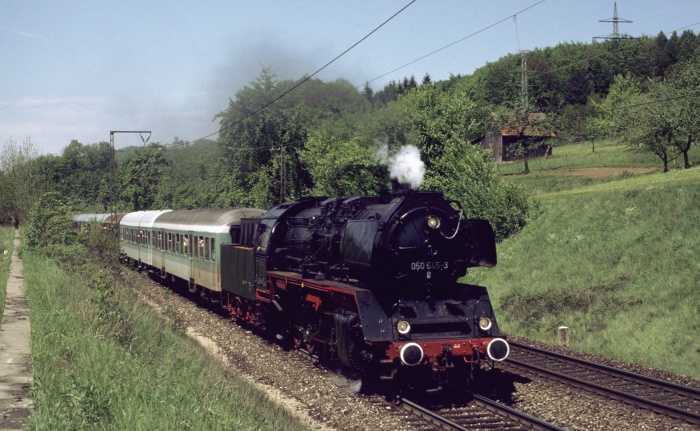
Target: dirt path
(15, 354)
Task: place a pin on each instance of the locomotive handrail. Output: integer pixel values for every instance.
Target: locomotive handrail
(459, 222)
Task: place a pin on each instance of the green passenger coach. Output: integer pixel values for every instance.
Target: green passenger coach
(186, 244)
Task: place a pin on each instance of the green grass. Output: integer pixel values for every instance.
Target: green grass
(617, 262)
(6, 237)
(101, 360)
(574, 165)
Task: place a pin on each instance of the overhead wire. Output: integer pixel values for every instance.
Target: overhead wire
(453, 43)
(297, 85)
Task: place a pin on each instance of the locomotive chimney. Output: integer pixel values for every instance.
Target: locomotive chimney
(399, 188)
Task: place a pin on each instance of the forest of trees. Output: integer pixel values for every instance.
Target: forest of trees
(324, 138)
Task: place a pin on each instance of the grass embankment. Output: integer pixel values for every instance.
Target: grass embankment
(6, 236)
(575, 166)
(617, 262)
(102, 360)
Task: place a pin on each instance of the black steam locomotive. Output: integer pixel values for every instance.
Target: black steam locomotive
(369, 282)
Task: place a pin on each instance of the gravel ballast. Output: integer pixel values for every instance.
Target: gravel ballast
(327, 401)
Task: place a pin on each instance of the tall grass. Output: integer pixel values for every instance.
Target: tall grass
(617, 263)
(6, 237)
(103, 361)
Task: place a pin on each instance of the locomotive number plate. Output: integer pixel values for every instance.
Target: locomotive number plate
(429, 266)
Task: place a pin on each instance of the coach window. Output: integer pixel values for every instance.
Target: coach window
(235, 235)
(207, 251)
(213, 250)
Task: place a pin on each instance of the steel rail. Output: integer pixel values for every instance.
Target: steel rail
(485, 403)
(616, 375)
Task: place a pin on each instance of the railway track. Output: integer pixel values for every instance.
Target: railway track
(482, 413)
(676, 401)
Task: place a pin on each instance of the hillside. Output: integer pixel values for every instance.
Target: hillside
(614, 258)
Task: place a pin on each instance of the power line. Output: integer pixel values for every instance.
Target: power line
(452, 44)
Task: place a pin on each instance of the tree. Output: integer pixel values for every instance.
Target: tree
(18, 183)
(684, 83)
(85, 172)
(527, 127)
(263, 133)
(253, 130)
(368, 92)
(579, 87)
(687, 45)
(140, 177)
(341, 161)
(607, 120)
(573, 123)
(189, 174)
(661, 54)
(653, 122)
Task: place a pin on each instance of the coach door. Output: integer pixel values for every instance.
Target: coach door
(158, 247)
(188, 242)
(260, 245)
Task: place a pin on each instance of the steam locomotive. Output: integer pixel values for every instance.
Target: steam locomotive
(369, 283)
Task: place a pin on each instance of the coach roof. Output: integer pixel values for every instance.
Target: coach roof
(208, 220)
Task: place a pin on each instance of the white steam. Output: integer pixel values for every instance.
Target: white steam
(406, 167)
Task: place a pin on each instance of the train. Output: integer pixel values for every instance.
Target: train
(367, 283)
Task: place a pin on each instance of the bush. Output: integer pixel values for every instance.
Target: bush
(49, 226)
(467, 174)
(50, 233)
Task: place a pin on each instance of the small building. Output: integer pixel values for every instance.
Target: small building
(501, 144)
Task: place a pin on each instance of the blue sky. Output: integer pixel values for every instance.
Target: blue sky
(76, 69)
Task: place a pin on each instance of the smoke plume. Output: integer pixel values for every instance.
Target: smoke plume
(406, 167)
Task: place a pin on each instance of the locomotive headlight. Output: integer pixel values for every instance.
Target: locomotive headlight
(433, 222)
(403, 327)
(485, 323)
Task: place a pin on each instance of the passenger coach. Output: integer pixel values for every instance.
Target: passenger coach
(183, 244)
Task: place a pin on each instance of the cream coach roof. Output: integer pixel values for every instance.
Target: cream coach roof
(210, 220)
(141, 218)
